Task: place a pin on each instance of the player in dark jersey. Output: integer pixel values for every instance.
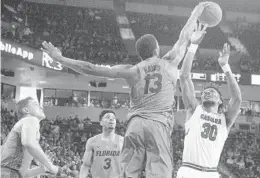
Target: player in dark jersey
(22, 144)
(153, 83)
(102, 151)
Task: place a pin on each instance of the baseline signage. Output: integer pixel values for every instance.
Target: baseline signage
(243, 78)
(30, 55)
(17, 50)
(39, 58)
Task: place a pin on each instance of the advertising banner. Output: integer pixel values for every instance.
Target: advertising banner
(30, 55)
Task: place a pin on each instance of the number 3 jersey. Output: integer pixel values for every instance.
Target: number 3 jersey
(205, 136)
(152, 97)
(105, 160)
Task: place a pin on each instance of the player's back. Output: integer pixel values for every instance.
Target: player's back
(106, 157)
(205, 136)
(153, 95)
(14, 155)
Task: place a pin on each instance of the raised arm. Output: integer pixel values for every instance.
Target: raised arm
(128, 72)
(29, 141)
(188, 92)
(87, 159)
(176, 54)
(233, 108)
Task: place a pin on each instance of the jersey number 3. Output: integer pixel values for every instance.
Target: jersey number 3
(157, 84)
(107, 163)
(210, 131)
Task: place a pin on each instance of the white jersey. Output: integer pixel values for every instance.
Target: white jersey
(205, 136)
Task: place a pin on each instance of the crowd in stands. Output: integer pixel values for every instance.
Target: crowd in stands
(80, 33)
(65, 139)
(167, 29)
(98, 100)
(92, 34)
(249, 35)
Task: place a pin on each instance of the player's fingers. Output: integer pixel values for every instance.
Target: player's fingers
(224, 46)
(45, 51)
(205, 27)
(200, 26)
(220, 54)
(46, 45)
(228, 46)
(51, 45)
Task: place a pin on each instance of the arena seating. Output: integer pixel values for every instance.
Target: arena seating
(92, 34)
(167, 29)
(66, 139)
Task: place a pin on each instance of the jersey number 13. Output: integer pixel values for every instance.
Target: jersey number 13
(156, 85)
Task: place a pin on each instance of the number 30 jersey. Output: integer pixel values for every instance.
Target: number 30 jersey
(105, 160)
(205, 136)
(152, 97)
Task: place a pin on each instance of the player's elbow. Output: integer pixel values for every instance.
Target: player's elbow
(86, 165)
(184, 75)
(27, 143)
(238, 99)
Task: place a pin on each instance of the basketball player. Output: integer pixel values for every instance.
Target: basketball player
(153, 85)
(22, 144)
(206, 126)
(101, 156)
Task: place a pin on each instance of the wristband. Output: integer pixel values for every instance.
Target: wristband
(193, 48)
(226, 68)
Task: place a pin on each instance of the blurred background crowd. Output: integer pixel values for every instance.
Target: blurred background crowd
(89, 34)
(66, 138)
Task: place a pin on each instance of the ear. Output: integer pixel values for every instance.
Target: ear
(101, 123)
(220, 101)
(25, 110)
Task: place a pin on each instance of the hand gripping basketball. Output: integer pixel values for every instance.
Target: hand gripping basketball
(224, 55)
(200, 8)
(53, 52)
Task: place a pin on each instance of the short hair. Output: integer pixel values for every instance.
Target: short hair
(104, 112)
(215, 87)
(145, 46)
(21, 105)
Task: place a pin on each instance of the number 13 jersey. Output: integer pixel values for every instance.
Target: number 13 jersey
(152, 97)
(205, 136)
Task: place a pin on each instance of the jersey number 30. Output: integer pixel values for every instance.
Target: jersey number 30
(157, 84)
(107, 163)
(210, 131)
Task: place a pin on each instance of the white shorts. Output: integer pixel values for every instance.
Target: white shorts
(186, 172)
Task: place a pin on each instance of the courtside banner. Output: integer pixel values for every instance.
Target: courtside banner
(30, 55)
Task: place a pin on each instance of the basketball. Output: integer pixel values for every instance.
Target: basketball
(211, 15)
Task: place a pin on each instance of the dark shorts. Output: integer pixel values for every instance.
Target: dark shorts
(9, 173)
(147, 145)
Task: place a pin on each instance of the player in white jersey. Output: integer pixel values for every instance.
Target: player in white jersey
(101, 157)
(153, 84)
(22, 144)
(206, 126)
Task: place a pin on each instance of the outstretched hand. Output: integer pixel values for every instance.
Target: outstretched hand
(198, 34)
(51, 50)
(197, 11)
(224, 55)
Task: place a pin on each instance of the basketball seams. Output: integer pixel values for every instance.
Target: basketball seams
(211, 15)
